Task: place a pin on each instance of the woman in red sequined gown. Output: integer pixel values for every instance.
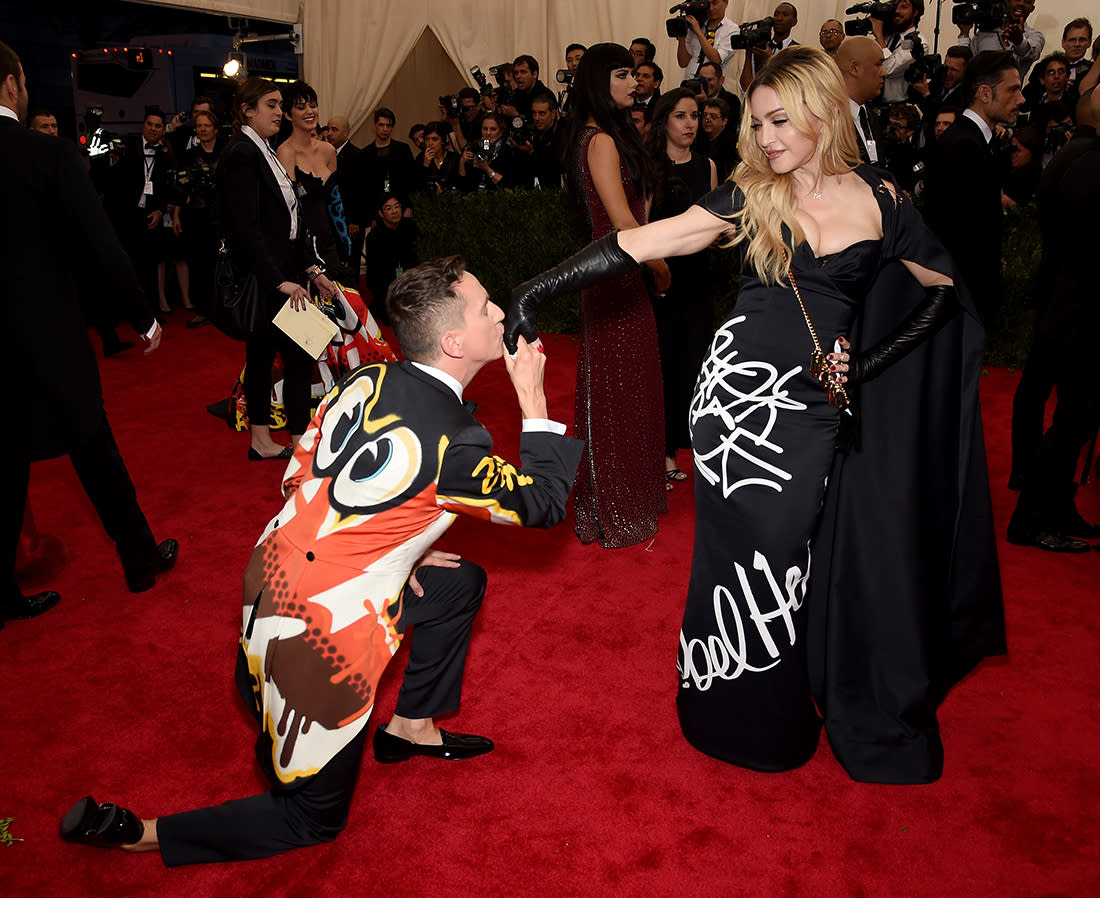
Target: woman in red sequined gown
(620, 488)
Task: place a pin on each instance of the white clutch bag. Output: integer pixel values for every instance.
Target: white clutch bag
(310, 328)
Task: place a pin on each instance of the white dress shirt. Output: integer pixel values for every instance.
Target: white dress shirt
(286, 183)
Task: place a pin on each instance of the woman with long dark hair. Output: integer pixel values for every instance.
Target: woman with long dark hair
(684, 313)
(620, 488)
(260, 218)
(905, 594)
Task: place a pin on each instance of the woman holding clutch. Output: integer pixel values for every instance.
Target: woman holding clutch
(260, 218)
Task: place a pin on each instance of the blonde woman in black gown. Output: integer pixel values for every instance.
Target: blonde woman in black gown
(892, 508)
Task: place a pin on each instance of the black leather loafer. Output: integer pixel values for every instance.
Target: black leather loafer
(26, 607)
(456, 747)
(167, 553)
(1048, 541)
(103, 825)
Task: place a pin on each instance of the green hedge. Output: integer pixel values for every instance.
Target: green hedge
(508, 236)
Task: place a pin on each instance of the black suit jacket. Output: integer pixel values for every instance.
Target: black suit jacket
(124, 185)
(962, 191)
(57, 242)
(349, 162)
(254, 219)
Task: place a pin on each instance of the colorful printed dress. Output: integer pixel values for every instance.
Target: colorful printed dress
(381, 472)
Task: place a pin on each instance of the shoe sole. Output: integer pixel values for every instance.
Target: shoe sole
(75, 823)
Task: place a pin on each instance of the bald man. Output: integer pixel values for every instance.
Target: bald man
(860, 62)
(349, 163)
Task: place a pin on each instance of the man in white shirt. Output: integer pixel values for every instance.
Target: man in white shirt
(860, 62)
(784, 17)
(706, 42)
(904, 44)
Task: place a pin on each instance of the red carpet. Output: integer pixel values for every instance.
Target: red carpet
(592, 791)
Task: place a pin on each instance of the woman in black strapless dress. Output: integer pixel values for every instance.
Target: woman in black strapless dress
(889, 511)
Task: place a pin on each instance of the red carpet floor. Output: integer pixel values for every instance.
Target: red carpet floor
(592, 791)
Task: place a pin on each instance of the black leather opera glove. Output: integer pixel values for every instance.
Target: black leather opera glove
(597, 262)
(939, 306)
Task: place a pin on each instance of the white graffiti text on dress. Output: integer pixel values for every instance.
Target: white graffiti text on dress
(747, 396)
(725, 653)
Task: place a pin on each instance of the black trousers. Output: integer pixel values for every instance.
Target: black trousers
(1029, 408)
(1047, 496)
(103, 475)
(297, 373)
(317, 810)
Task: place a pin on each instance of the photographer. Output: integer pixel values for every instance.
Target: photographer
(783, 20)
(901, 46)
(470, 113)
(943, 90)
(704, 41)
(543, 152)
(1014, 34)
(713, 81)
(194, 218)
(490, 162)
(525, 71)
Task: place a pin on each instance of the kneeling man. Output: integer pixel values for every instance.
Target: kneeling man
(346, 566)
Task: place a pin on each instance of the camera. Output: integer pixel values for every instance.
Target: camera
(884, 12)
(987, 15)
(928, 65)
(481, 150)
(521, 130)
(564, 76)
(695, 85)
(753, 34)
(451, 106)
(483, 85)
(697, 9)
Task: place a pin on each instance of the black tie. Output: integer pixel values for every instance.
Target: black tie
(865, 123)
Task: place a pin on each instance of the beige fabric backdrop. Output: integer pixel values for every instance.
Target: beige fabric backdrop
(353, 48)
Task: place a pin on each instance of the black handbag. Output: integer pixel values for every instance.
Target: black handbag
(238, 309)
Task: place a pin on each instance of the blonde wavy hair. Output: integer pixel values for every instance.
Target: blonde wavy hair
(808, 82)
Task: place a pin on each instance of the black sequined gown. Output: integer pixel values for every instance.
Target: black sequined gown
(620, 488)
(865, 601)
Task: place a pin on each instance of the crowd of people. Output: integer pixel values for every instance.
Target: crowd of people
(853, 351)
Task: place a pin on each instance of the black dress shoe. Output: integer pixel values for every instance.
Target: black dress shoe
(286, 454)
(1047, 540)
(166, 555)
(116, 348)
(104, 825)
(197, 321)
(25, 607)
(456, 746)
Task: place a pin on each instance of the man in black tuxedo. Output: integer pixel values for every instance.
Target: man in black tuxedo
(1063, 355)
(349, 164)
(860, 62)
(50, 208)
(135, 193)
(962, 183)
